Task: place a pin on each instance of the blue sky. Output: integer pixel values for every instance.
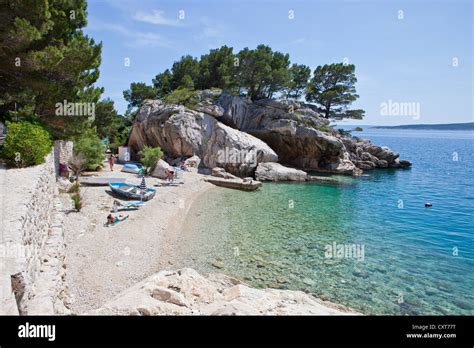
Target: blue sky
(421, 55)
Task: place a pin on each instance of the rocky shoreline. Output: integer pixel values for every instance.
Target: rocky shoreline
(238, 135)
(186, 292)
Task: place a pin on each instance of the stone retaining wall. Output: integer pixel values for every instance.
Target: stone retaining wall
(33, 249)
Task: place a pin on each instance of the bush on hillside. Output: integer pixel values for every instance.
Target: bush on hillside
(183, 96)
(26, 144)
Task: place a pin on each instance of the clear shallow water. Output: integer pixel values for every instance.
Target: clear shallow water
(276, 237)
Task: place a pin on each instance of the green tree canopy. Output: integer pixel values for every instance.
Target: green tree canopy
(109, 124)
(185, 72)
(258, 73)
(45, 58)
(332, 89)
(138, 92)
(299, 78)
(216, 69)
(162, 83)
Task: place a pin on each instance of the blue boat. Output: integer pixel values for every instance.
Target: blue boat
(132, 168)
(132, 191)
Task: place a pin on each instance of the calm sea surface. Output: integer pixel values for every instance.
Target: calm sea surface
(410, 259)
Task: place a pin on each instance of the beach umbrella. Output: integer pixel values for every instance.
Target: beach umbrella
(143, 184)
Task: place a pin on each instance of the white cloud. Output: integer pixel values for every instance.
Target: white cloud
(155, 17)
(132, 38)
(299, 41)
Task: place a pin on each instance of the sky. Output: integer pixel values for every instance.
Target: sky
(414, 59)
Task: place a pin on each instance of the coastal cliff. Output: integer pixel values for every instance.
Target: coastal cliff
(270, 130)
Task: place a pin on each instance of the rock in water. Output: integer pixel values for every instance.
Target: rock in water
(276, 172)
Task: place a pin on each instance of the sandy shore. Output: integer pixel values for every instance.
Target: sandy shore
(103, 261)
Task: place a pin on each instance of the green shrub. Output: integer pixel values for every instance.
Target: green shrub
(326, 129)
(149, 156)
(358, 129)
(26, 144)
(183, 96)
(77, 201)
(91, 148)
(343, 132)
(74, 188)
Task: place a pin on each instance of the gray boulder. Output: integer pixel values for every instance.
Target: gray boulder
(292, 129)
(180, 131)
(160, 169)
(276, 172)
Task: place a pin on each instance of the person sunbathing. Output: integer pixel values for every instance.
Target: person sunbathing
(111, 220)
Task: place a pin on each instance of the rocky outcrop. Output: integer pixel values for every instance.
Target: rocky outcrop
(366, 155)
(236, 134)
(180, 131)
(187, 292)
(292, 129)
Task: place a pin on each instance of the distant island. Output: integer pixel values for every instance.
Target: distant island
(445, 126)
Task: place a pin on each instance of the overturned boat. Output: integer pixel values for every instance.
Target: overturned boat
(132, 191)
(132, 168)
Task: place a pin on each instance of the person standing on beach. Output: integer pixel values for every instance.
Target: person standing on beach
(111, 162)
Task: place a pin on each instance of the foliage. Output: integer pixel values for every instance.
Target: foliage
(149, 157)
(257, 73)
(300, 75)
(358, 129)
(162, 83)
(139, 92)
(77, 201)
(183, 96)
(343, 132)
(46, 59)
(109, 124)
(74, 188)
(185, 73)
(216, 69)
(26, 144)
(326, 129)
(91, 148)
(77, 164)
(332, 89)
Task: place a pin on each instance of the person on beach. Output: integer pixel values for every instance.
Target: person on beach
(110, 220)
(169, 175)
(111, 162)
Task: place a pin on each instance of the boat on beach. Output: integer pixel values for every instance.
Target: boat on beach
(132, 191)
(237, 184)
(99, 181)
(132, 168)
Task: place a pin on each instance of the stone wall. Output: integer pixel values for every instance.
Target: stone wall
(33, 249)
(63, 152)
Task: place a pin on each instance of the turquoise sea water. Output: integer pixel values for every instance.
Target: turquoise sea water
(416, 260)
